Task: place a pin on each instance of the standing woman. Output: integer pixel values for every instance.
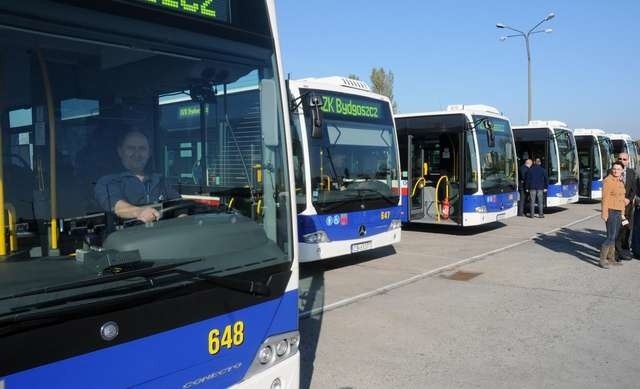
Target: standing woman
(613, 195)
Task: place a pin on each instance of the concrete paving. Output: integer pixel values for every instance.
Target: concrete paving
(535, 311)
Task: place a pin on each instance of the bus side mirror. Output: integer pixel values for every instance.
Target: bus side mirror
(268, 112)
(315, 103)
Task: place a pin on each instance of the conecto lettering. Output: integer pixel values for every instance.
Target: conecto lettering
(215, 374)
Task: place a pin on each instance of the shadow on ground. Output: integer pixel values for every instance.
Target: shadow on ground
(452, 230)
(583, 244)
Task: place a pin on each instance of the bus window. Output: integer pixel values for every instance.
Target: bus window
(471, 162)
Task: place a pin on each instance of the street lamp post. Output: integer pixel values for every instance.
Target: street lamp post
(526, 36)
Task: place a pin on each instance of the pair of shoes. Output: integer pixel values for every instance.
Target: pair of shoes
(624, 255)
(530, 217)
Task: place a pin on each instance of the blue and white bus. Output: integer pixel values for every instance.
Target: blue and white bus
(174, 110)
(553, 142)
(346, 167)
(459, 166)
(622, 143)
(595, 156)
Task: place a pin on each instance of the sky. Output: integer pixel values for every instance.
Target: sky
(585, 73)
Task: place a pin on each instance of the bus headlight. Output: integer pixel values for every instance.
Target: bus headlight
(316, 237)
(558, 194)
(282, 347)
(481, 209)
(395, 224)
(274, 350)
(265, 355)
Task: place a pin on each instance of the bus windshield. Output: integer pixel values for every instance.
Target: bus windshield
(354, 162)
(497, 158)
(132, 153)
(567, 155)
(606, 152)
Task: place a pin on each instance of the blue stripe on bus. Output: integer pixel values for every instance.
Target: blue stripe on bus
(405, 209)
(493, 203)
(565, 191)
(345, 225)
(554, 191)
(569, 190)
(170, 359)
(596, 185)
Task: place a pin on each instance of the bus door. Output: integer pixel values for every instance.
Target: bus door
(587, 162)
(417, 177)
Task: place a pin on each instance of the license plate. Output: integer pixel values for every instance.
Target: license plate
(501, 216)
(357, 247)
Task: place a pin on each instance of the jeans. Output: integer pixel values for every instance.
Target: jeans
(613, 227)
(537, 195)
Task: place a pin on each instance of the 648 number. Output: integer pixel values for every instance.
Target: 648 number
(232, 335)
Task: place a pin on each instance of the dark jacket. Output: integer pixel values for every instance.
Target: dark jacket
(631, 189)
(536, 178)
(522, 172)
(631, 184)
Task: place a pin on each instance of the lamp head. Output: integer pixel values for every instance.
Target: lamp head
(550, 16)
(500, 25)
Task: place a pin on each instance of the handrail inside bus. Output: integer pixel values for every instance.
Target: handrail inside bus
(3, 248)
(53, 243)
(13, 234)
(446, 195)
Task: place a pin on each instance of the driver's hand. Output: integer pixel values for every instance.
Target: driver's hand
(148, 215)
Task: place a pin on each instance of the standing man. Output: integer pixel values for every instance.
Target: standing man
(628, 178)
(522, 173)
(536, 182)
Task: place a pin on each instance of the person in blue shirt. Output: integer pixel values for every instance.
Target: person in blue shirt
(536, 181)
(129, 194)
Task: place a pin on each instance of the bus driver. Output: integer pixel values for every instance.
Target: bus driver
(129, 193)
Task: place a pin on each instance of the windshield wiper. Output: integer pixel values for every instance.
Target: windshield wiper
(120, 272)
(245, 286)
(32, 313)
(382, 195)
(335, 204)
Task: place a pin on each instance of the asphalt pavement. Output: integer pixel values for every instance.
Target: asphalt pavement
(520, 304)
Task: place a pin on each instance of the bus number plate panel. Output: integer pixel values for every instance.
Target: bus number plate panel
(362, 246)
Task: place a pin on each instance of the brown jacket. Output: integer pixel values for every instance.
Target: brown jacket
(613, 193)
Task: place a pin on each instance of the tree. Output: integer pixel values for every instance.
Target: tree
(382, 83)
(353, 77)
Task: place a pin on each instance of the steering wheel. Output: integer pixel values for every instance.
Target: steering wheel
(190, 206)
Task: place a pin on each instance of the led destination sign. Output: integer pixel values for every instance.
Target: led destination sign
(348, 106)
(217, 10)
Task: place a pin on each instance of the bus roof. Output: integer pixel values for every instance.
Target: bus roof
(620, 136)
(460, 109)
(543, 124)
(337, 84)
(588, 131)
